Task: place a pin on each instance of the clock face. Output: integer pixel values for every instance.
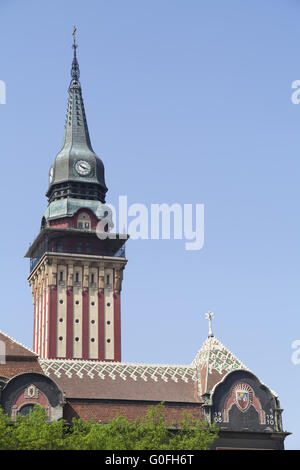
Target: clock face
(51, 174)
(83, 167)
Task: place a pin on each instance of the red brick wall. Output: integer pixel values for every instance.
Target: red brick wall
(71, 222)
(18, 366)
(61, 223)
(106, 410)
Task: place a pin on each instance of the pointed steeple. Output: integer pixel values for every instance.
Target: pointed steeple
(77, 171)
(76, 128)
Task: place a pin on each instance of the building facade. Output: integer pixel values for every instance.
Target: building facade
(74, 368)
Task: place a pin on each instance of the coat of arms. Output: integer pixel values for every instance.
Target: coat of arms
(242, 399)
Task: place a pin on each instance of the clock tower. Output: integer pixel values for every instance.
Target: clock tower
(76, 277)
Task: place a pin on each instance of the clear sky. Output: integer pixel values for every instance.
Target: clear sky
(187, 102)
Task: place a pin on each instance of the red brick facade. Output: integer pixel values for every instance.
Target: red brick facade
(105, 410)
(19, 366)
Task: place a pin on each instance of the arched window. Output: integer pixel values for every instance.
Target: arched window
(26, 409)
(84, 221)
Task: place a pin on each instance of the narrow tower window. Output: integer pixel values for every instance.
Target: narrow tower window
(84, 221)
(61, 276)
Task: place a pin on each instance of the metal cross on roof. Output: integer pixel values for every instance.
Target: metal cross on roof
(209, 316)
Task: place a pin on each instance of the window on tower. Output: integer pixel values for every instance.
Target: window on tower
(84, 221)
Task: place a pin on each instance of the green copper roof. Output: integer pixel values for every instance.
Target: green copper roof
(77, 161)
(68, 207)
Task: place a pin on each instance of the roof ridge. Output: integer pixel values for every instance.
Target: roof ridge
(93, 362)
(17, 342)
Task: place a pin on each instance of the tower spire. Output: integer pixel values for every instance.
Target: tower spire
(75, 72)
(77, 171)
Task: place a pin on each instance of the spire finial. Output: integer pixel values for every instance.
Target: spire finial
(75, 73)
(74, 35)
(209, 316)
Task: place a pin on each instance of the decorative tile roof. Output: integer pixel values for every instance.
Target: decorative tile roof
(146, 372)
(217, 357)
(86, 379)
(125, 380)
(213, 352)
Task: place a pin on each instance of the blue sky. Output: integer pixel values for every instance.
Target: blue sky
(187, 102)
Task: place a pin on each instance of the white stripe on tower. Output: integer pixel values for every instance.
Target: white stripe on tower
(77, 312)
(108, 314)
(61, 311)
(93, 314)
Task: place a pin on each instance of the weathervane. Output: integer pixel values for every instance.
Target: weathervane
(209, 316)
(74, 35)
